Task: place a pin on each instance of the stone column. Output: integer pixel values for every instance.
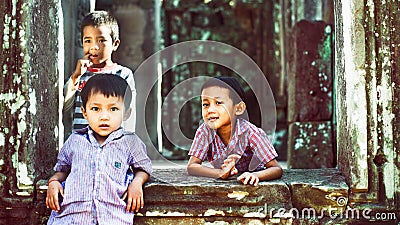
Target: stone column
(30, 52)
(366, 69)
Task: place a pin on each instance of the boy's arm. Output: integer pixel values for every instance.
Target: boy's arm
(54, 189)
(72, 83)
(195, 168)
(69, 93)
(134, 194)
(273, 171)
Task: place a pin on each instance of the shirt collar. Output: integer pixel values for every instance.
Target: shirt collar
(102, 69)
(239, 130)
(113, 136)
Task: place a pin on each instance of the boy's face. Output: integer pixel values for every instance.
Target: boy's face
(218, 109)
(104, 114)
(98, 45)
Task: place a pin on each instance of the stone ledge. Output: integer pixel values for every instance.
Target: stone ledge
(171, 192)
(174, 197)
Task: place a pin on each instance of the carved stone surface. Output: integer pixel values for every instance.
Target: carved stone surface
(310, 78)
(310, 145)
(317, 189)
(29, 98)
(173, 193)
(174, 188)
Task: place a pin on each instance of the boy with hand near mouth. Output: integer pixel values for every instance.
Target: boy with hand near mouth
(232, 145)
(94, 161)
(100, 38)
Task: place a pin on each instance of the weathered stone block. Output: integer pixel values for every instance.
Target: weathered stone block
(174, 193)
(196, 220)
(317, 191)
(8, 212)
(310, 76)
(310, 145)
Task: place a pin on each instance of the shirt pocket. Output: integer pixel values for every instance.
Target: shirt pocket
(116, 167)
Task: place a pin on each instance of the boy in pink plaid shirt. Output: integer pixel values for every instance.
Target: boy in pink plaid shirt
(231, 144)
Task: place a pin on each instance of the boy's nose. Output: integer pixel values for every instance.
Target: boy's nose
(104, 116)
(211, 108)
(94, 47)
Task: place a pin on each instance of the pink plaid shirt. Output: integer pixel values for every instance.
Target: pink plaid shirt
(248, 141)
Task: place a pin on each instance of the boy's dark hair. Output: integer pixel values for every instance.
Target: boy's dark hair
(108, 85)
(236, 92)
(98, 18)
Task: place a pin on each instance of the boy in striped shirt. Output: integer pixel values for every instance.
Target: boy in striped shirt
(94, 162)
(231, 144)
(100, 38)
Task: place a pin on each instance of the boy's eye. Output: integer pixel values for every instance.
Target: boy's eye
(205, 104)
(102, 40)
(94, 108)
(219, 103)
(86, 41)
(114, 109)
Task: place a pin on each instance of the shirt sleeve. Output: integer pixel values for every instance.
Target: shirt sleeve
(139, 158)
(262, 146)
(64, 158)
(200, 143)
(69, 93)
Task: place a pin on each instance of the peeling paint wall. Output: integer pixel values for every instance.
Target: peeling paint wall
(29, 105)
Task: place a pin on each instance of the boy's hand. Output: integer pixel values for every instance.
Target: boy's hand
(134, 197)
(249, 178)
(81, 67)
(52, 199)
(228, 168)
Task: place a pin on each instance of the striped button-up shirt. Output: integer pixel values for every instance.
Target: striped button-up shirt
(97, 177)
(248, 141)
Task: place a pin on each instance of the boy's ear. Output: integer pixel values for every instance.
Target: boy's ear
(240, 108)
(116, 44)
(127, 114)
(84, 112)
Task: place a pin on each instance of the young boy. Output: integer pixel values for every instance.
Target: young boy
(94, 161)
(232, 145)
(100, 38)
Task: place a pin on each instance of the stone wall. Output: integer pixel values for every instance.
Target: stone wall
(310, 94)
